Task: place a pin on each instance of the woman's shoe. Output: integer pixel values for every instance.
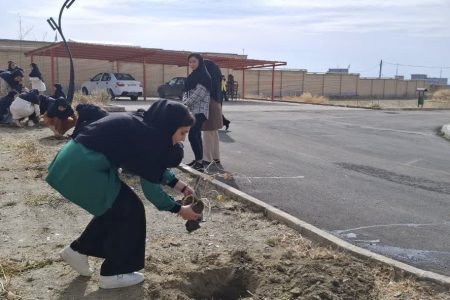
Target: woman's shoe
(122, 280)
(191, 163)
(79, 262)
(227, 124)
(198, 166)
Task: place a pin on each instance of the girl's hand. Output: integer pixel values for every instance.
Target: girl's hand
(183, 188)
(187, 213)
(188, 191)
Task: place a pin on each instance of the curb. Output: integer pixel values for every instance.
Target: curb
(317, 235)
(114, 108)
(445, 130)
(350, 106)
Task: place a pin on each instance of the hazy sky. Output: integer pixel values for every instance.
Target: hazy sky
(313, 35)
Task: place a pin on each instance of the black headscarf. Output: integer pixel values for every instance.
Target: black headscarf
(59, 92)
(31, 96)
(199, 75)
(216, 78)
(35, 71)
(53, 110)
(9, 78)
(139, 142)
(167, 116)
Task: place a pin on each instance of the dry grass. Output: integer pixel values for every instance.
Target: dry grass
(392, 288)
(10, 268)
(30, 152)
(99, 98)
(441, 96)
(44, 199)
(309, 98)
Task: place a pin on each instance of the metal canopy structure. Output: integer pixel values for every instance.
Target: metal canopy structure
(130, 54)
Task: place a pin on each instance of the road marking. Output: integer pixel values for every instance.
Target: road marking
(390, 225)
(270, 177)
(412, 162)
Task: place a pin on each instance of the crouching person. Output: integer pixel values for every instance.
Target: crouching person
(5, 104)
(60, 117)
(87, 114)
(85, 172)
(26, 105)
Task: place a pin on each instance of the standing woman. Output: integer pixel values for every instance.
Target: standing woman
(210, 128)
(198, 89)
(85, 171)
(37, 83)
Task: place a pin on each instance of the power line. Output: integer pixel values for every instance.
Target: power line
(413, 66)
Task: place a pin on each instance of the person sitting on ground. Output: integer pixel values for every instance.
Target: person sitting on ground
(58, 92)
(26, 105)
(5, 103)
(60, 117)
(11, 81)
(85, 171)
(36, 78)
(87, 114)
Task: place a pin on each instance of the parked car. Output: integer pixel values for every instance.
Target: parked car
(115, 84)
(173, 88)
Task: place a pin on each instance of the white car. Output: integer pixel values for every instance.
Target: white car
(115, 84)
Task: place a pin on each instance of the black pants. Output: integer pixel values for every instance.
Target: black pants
(195, 136)
(224, 96)
(118, 235)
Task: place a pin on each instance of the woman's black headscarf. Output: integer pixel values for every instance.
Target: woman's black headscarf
(31, 96)
(35, 71)
(59, 92)
(167, 116)
(9, 78)
(199, 75)
(216, 78)
(53, 110)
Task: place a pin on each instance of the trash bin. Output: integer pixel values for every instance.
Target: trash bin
(420, 101)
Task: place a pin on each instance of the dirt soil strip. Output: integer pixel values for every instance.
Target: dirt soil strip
(317, 235)
(236, 254)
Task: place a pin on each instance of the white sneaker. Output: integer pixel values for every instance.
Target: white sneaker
(122, 280)
(79, 262)
(17, 123)
(30, 123)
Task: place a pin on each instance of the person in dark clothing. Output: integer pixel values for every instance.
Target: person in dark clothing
(5, 103)
(87, 114)
(37, 82)
(230, 86)
(85, 171)
(211, 151)
(11, 81)
(35, 71)
(12, 66)
(60, 117)
(44, 103)
(59, 92)
(198, 87)
(26, 105)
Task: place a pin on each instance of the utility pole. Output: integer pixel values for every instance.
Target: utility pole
(396, 71)
(381, 68)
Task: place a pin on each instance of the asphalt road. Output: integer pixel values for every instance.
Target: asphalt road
(378, 179)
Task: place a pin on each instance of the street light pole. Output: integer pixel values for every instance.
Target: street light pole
(67, 4)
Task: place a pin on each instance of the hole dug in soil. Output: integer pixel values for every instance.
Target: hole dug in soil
(224, 283)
